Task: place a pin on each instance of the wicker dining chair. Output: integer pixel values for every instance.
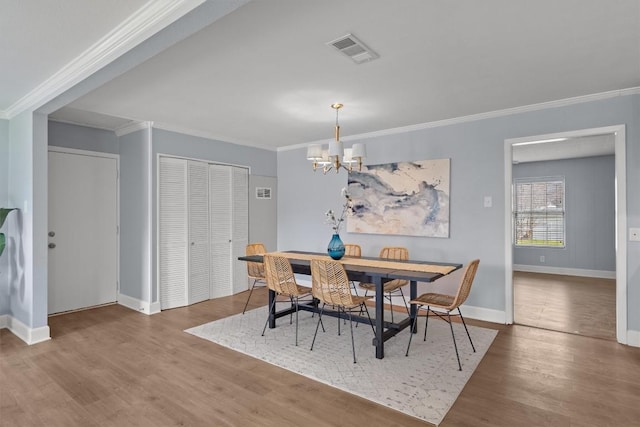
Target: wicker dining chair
(282, 281)
(330, 285)
(255, 270)
(392, 288)
(447, 303)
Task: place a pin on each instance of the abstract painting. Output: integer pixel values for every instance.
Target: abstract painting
(407, 198)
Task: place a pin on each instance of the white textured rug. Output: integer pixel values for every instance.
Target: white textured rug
(424, 385)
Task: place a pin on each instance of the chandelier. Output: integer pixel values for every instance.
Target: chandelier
(335, 156)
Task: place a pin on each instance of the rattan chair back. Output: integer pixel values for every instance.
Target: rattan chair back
(255, 270)
(465, 284)
(279, 275)
(353, 250)
(394, 252)
(330, 284)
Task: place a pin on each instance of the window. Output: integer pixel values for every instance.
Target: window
(539, 212)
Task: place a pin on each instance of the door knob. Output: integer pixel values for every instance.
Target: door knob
(52, 245)
(52, 233)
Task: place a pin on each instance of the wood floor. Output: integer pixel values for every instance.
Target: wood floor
(112, 366)
(577, 305)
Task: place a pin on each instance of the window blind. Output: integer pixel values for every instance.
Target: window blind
(539, 215)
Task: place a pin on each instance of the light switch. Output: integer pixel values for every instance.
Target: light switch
(488, 201)
(634, 234)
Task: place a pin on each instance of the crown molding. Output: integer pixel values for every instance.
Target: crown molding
(144, 23)
(480, 116)
(132, 127)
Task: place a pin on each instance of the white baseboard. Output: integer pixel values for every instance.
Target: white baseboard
(139, 305)
(581, 272)
(633, 338)
(485, 314)
(22, 331)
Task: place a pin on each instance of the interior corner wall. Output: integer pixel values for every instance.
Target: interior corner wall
(476, 149)
(589, 214)
(135, 241)
(4, 200)
(20, 194)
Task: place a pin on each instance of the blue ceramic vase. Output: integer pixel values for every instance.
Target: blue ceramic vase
(336, 247)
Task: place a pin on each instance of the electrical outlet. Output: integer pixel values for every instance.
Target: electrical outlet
(634, 234)
(541, 258)
(488, 201)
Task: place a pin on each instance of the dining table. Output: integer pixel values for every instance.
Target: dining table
(369, 270)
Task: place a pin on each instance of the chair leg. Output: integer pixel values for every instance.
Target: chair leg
(413, 326)
(366, 310)
(273, 304)
(249, 297)
(465, 328)
(426, 323)
(391, 306)
(353, 344)
(317, 325)
(455, 346)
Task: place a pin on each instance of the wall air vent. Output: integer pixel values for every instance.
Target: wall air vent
(350, 46)
(263, 192)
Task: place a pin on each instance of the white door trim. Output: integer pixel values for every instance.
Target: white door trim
(621, 219)
(99, 154)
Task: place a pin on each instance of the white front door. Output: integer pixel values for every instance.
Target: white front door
(83, 240)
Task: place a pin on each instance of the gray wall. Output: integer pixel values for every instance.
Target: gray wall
(263, 212)
(27, 171)
(82, 138)
(476, 150)
(4, 200)
(134, 215)
(589, 214)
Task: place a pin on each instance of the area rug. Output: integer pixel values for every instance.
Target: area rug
(424, 385)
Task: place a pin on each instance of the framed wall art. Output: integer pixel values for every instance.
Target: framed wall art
(407, 198)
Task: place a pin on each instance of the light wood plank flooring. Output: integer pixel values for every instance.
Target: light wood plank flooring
(577, 305)
(111, 366)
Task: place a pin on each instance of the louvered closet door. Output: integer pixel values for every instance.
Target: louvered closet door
(173, 232)
(198, 232)
(240, 227)
(220, 226)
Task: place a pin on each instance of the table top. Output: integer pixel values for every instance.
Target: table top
(354, 270)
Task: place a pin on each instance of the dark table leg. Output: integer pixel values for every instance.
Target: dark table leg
(379, 340)
(413, 293)
(272, 314)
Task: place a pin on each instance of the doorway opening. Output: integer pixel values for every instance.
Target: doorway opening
(576, 281)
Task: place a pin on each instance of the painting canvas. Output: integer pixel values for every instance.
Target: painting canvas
(407, 198)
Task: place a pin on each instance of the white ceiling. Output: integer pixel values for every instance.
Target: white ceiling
(263, 75)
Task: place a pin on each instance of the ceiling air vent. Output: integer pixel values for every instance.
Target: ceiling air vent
(353, 48)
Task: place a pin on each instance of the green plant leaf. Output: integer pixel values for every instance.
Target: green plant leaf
(2, 243)
(3, 215)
